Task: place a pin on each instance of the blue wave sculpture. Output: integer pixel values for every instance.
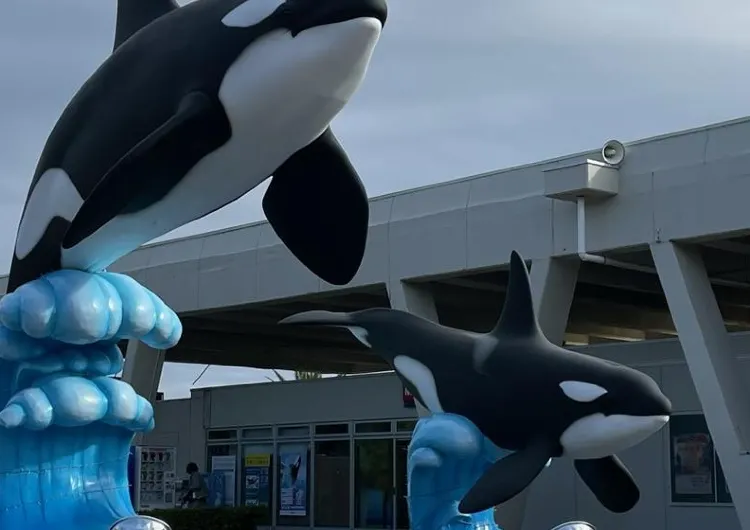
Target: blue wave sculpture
(67, 425)
(446, 457)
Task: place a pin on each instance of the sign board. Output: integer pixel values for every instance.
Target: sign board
(409, 399)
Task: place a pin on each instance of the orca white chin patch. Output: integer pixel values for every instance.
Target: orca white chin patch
(310, 76)
(54, 195)
(581, 391)
(250, 12)
(422, 379)
(597, 435)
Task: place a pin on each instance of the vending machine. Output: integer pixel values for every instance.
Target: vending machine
(155, 472)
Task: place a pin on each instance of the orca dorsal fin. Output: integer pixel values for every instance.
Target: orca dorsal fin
(132, 15)
(518, 317)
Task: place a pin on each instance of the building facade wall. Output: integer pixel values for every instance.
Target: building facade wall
(557, 495)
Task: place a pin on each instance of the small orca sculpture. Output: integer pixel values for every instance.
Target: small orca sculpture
(524, 393)
(196, 106)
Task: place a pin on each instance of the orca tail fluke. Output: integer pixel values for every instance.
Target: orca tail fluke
(132, 15)
(318, 318)
(518, 317)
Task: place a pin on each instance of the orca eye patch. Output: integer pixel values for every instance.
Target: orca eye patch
(581, 391)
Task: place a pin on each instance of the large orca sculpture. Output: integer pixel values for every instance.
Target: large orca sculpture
(195, 107)
(524, 393)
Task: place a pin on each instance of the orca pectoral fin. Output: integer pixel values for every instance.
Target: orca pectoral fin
(318, 206)
(129, 183)
(507, 478)
(610, 482)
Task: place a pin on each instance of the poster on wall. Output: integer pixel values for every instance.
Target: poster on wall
(217, 487)
(257, 491)
(409, 401)
(722, 488)
(226, 466)
(293, 471)
(692, 459)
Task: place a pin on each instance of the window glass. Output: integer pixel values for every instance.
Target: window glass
(373, 483)
(332, 472)
(376, 427)
(298, 431)
(332, 429)
(257, 433)
(222, 435)
(406, 425)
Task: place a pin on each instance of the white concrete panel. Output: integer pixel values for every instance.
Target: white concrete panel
(672, 150)
(340, 399)
(177, 251)
(430, 245)
(625, 220)
(227, 280)
(564, 228)
(496, 229)
(134, 261)
(728, 140)
(445, 197)
(508, 185)
(679, 388)
(233, 241)
(176, 283)
(702, 200)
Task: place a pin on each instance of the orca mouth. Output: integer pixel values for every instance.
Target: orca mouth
(311, 14)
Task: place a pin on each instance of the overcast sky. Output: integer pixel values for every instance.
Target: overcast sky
(456, 87)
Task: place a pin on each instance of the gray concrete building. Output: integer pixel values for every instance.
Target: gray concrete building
(644, 261)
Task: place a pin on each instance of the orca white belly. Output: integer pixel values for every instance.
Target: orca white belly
(279, 96)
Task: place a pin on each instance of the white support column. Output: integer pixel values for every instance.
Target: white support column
(553, 283)
(712, 363)
(143, 367)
